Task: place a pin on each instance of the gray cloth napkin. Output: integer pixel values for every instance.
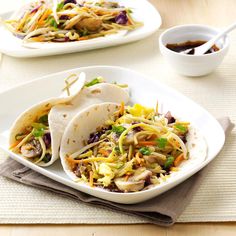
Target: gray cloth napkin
(162, 210)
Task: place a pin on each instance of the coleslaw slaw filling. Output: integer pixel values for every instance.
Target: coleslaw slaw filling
(63, 21)
(134, 149)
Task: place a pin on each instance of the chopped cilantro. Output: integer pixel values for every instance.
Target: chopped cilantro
(118, 129)
(145, 151)
(161, 142)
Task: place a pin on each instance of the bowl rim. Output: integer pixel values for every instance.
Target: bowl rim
(162, 45)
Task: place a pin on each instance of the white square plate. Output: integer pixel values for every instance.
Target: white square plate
(142, 90)
(143, 11)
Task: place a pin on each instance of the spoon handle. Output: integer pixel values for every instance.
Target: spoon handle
(204, 48)
(225, 31)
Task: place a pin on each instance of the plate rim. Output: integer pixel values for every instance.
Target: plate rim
(70, 182)
(24, 52)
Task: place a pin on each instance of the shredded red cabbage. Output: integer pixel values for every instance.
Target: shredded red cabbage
(35, 9)
(122, 18)
(47, 140)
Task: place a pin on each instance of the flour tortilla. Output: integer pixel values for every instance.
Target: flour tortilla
(60, 116)
(79, 129)
(62, 110)
(86, 122)
(197, 147)
(32, 114)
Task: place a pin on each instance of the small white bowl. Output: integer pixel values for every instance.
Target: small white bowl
(191, 65)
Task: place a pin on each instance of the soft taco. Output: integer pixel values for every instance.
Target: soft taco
(36, 134)
(128, 148)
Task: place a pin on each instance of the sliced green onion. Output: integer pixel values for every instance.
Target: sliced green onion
(38, 132)
(118, 129)
(161, 142)
(38, 129)
(145, 151)
(180, 128)
(169, 162)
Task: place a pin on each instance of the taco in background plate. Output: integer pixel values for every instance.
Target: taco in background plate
(36, 134)
(128, 149)
(62, 21)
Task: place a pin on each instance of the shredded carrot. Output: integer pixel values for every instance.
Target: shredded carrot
(174, 143)
(147, 143)
(44, 16)
(41, 23)
(83, 38)
(142, 162)
(71, 162)
(152, 138)
(128, 174)
(38, 39)
(178, 159)
(104, 152)
(91, 179)
(122, 108)
(129, 22)
(14, 144)
(34, 27)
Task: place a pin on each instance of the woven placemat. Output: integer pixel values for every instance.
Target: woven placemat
(215, 200)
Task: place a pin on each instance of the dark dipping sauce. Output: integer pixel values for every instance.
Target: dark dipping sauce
(180, 47)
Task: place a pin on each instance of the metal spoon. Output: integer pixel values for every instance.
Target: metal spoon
(200, 50)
